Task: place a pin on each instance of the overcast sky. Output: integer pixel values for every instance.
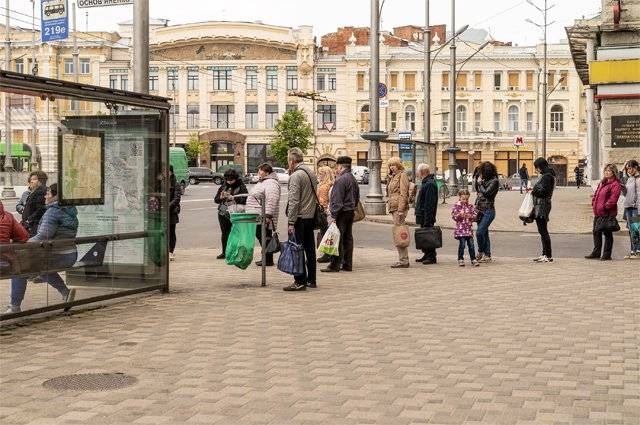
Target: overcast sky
(504, 19)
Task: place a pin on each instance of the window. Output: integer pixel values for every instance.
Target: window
(326, 79)
(251, 116)
(124, 82)
(68, 66)
(326, 114)
(333, 81)
(85, 66)
(497, 80)
(529, 121)
(410, 81)
(20, 66)
(477, 80)
(174, 115)
(272, 78)
(364, 118)
(192, 78)
(292, 78)
(153, 79)
(551, 79)
(271, 115)
(360, 81)
(445, 81)
(529, 80)
(222, 78)
(497, 121)
(445, 121)
(564, 79)
(410, 118)
(557, 119)
(394, 121)
(75, 105)
(513, 115)
(514, 81)
(321, 84)
(362, 158)
(461, 81)
(290, 107)
(172, 79)
(113, 82)
(222, 116)
(251, 77)
(477, 122)
(393, 81)
(461, 118)
(193, 116)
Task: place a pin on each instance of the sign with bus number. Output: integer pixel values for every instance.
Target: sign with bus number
(55, 20)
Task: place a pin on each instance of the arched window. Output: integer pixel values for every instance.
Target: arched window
(557, 119)
(410, 118)
(514, 116)
(461, 118)
(364, 118)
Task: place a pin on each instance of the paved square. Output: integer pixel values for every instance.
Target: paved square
(507, 343)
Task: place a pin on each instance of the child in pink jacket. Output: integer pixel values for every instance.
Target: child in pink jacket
(464, 214)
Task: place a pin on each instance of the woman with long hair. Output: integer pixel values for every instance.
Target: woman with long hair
(326, 178)
(398, 203)
(542, 192)
(486, 186)
(605, 212)
(231, 186)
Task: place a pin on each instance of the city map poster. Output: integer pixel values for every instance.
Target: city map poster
(81, 174)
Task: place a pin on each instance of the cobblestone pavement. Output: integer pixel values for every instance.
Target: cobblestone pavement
(507, 343)
(571, 212)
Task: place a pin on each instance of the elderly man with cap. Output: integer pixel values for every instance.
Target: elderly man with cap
(344, 200)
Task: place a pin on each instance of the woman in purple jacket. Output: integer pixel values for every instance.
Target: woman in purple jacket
(605, 212)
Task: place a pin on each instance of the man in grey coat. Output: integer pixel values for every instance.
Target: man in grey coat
(301, 210)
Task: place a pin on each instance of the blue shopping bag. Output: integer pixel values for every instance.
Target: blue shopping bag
(291, 259)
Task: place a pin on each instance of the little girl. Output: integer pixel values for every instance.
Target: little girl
(464, 214)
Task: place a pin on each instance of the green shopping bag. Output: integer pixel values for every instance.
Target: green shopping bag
(239, 251)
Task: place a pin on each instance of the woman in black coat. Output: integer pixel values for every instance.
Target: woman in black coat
(487, 187)
(175, 193)
(231, 186)
(542, 193)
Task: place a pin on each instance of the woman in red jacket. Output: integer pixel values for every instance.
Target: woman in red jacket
(605, 212)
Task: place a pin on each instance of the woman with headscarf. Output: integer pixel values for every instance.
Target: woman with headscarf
(398, 203)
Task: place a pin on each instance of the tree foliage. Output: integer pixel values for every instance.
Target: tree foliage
(292, 131)
(194, 147)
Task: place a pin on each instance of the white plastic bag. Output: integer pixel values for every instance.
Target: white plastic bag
(330, 241)
(527, 206)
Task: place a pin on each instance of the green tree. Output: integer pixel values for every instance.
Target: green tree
(194, 147)
(292, 131)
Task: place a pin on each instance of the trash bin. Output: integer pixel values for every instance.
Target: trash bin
(242, 238)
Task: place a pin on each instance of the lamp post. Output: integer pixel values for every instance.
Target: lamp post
(141, 46)
(426, 122)
(34, 71)
(452, 106)
(544, 11)
(7, 191)
(374, 203)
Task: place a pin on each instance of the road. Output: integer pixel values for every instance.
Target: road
(198, 228)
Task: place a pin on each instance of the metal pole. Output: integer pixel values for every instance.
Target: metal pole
(452, 103)
(374, 202)
(263, 239)
(141, 46)
(544, 87)
(76, 53)
(538, 110)
(7, 191)
(593, 135)
(34, 128)
(426, 122)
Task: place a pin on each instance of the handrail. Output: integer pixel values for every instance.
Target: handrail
(8, 247)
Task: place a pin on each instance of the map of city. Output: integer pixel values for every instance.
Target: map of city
(82, 169)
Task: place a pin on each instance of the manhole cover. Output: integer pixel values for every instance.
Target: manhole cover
(90, 382)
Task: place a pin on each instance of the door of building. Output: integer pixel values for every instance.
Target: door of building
(559, 165)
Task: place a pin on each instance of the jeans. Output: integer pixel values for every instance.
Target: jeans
(225, 229)
(628, 213)
(304, 230)
(344, 221)
(482, 235)
(523, 184)
(19, 284)
(472, 249)
(544, 236)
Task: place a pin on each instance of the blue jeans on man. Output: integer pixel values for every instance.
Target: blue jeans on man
(19, 284)
(482, 234)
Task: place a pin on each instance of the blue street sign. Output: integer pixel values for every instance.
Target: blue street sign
(406, 156)
(55, 20)
(404, 146)
(382, 89)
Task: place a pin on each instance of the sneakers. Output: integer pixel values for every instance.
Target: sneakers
(543, 259)
(632, 255)
(484, 258)
(12, 309)
(475, 263)
(172, 256)
(295, 287)
(461, 263)
(479, 257)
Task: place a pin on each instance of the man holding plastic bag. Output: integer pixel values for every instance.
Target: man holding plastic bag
(344, 200)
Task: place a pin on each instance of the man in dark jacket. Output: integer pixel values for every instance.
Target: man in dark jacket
(542, 193)
(175, 193)
(34, 206)
(524, 177)
(344, 200)
(427, 207)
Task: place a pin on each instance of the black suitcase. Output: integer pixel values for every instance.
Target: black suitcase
(428, 237)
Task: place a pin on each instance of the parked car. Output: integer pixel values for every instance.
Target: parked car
(361, 173)
(283, 175)
(218, 175)
(200, 174)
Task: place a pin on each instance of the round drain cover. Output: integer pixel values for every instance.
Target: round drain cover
(90, 382)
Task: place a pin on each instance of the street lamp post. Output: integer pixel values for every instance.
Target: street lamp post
(426, 122)
(452, 105)
(374, 203)
(34, 71)
(7, 191)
